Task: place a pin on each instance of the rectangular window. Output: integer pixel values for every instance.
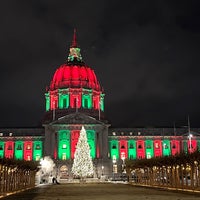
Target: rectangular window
(165, 146)
(19, 147)
(157, 146)
(75, 103)
(64, 146)
(148, 147)
(64, 157)
(131, 146)
(148, 155)
(114, 168)
(86, 103)
(9, 147)
(28, 157)
(64, 103)
(38, 147)
(131, 156)
(37, 157)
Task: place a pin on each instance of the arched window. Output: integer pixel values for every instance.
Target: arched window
(19, 147)
(114, 147)
(148, 146)
(38, 147)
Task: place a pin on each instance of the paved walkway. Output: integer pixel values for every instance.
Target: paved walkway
(98, 191)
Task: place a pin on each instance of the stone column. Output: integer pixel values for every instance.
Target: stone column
(49, 142)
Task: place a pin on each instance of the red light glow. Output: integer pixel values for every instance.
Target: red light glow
(74, 76)
(9, 149)
(158, 148)
(28, 149)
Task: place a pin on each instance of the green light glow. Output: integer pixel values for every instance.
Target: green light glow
(149, 149)
(185, 146)
(166, 148)
(132, 149)
(102, 102)
(87, 101)
(1, 149)
(198, 144)
(19, 146)
(63, 101)
(47, 101)
(63, 144)
(114, 149)
(91, 142)
(37, 150)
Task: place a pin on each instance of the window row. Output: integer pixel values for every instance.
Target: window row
(74, 101)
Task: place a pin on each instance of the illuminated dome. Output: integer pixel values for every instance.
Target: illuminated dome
(74, 73)
(74, 88)
(74, 76)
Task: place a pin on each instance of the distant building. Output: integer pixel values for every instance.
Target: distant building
(75, 99)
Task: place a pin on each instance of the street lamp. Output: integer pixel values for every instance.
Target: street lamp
(102, 168)
(190, 141)
(189, 135)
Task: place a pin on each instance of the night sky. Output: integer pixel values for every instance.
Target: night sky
(146, 55)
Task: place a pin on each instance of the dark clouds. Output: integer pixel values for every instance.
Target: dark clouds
(145, 55)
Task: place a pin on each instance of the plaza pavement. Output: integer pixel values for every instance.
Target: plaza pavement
(98, 191)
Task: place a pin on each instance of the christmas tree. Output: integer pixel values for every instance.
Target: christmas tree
(82, 165)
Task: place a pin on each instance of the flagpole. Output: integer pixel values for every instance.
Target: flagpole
(189, 133)
(174, 129)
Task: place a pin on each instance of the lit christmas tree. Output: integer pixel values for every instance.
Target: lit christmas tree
(82, 166)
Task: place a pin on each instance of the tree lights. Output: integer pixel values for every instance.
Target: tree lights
(82, 165)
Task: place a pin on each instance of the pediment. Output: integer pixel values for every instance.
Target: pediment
(76, 118)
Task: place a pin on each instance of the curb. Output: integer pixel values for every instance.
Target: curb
(169, 189)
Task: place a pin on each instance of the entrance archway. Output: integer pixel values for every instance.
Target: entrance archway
(64, 174)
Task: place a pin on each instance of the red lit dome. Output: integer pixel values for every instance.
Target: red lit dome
(74, 73)
(79, 91)
(74, 76)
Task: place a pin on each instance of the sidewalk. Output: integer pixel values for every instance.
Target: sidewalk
(167, 188)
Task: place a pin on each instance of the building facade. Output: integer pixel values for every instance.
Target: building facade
(74, 99)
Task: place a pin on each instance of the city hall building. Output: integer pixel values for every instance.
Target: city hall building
(74, 99)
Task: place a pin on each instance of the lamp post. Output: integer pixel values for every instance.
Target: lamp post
(189, 135)
(102, 170)
(190, 141)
